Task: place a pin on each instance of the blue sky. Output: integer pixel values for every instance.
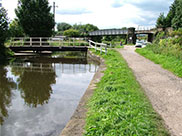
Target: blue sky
(104, 13)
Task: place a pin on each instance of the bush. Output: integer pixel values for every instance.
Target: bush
(71, 33)
(171, 46)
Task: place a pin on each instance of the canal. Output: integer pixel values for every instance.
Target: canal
(38, 95)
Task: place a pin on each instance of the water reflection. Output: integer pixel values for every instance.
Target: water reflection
(6, 86)
(46, 91)
(35, 83)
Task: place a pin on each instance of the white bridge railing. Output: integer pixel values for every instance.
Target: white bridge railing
(144, 28)
(50, 68)
(47, 41)
(98, 46)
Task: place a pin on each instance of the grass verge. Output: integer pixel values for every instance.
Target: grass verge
(119, 106)
(170, 63)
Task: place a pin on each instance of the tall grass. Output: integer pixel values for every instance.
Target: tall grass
(168, 44)
(166, 51)
(169, 62)
(119, 106)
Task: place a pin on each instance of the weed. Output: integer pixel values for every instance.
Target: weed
(119, 106)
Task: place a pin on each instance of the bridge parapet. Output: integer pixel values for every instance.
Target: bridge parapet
(108, 32)
(144, 32)
(47, 41)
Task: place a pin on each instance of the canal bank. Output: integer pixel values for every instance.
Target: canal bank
(115, 105)
(75, 126)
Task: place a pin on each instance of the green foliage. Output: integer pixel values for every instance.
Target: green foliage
(114, 40)
(161, 21)
(3, 26)
(177, 33)
(177, 20)
(63, 26)
(89, 28)
(15, 29)
(35, 18)
(71, 33)
(97, 39)
(170, 46)
(118, 106)
(171, 14)
(69, 43)
(166, 51)
(173, 18)
(160, 35)
(170, 63)
(84, 29)
(4, 52)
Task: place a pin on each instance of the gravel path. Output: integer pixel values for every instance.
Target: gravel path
(163, 89)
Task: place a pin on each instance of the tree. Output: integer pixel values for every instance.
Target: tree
(63, 26)
(3, 26)
(161, 21)
(35, 18)
(32, 93)
(85, 29)
(171, 14)
(89, 28)
(4, 52)
(71, 33)
(15, 29)
(177, 20)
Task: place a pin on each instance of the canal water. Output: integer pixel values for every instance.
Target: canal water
(38, 95)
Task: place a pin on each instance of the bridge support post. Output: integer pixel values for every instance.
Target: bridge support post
(150, 38)
(131, 37)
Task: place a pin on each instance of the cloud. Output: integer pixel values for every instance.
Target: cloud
(116, 4)
(153, 5)
(150, 5)
(73, 11)
(104, 13)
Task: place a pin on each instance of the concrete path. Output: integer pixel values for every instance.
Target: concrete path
(163, 89)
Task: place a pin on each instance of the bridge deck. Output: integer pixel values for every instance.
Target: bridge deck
(48, 48)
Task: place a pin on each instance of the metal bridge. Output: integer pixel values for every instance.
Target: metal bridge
(129, 32)
(108, 32)
(105, 32)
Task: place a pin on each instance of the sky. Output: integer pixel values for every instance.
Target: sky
(104, 14)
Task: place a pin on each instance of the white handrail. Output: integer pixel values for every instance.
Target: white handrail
(46, 41)
(102, 47)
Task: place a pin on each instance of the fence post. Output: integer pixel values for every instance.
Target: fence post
(90, 44)
(30, 41)
(100, 49)
(22, 41)
(105, 50)
(40, 41)
(59, 42)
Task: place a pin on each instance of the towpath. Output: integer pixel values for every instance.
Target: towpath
(163, 88)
